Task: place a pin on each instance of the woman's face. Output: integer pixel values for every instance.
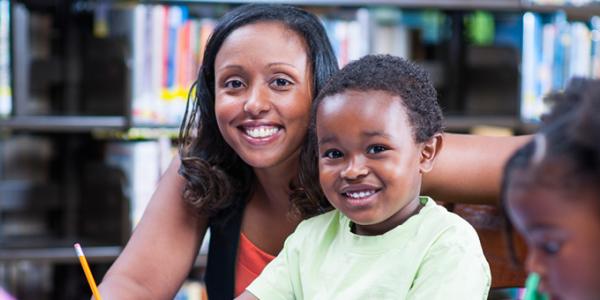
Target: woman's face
(562, 230)
(263, 93)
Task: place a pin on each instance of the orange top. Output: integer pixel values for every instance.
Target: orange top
(251, 261)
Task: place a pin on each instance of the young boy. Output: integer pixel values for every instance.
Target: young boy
(376, 128)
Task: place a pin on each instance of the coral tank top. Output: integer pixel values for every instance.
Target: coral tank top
(251, 261)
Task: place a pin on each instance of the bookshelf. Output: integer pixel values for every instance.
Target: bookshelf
(84, 109)
(64, 123)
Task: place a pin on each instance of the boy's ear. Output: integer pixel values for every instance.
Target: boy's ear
(429, 152)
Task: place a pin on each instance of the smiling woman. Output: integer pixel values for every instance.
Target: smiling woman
(263, 95)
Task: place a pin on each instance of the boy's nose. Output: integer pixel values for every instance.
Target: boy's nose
(257, 102)
(355, 169)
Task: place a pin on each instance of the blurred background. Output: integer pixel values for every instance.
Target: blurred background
(92, 94)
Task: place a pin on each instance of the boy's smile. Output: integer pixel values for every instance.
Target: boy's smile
(369, 163)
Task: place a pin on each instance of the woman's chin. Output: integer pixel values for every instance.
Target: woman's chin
(261, 160)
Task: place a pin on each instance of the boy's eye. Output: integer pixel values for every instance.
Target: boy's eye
(333, 154)
(233, 84)
(376, 149)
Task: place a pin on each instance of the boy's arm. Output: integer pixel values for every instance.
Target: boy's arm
(161, 250)
(469, 168)
(453, 268)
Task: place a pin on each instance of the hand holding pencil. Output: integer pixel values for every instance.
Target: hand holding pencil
(88, 273)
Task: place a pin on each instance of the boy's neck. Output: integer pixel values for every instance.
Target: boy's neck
(410, 209)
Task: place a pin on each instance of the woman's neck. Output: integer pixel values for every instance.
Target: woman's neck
(274, 182)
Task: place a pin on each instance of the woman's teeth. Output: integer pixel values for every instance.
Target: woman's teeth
(261, 132)
(359, 195)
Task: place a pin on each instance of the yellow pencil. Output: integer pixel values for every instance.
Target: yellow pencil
(88, 273)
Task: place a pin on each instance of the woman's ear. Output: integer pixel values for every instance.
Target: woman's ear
(429, 152)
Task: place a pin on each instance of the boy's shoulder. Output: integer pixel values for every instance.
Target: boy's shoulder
(320, 222)
(448, 226)
(319, 228)
(445, 218)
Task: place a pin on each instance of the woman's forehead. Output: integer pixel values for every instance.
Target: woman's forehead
(263, 42)
(274, 30)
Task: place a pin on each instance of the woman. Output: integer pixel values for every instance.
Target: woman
(261, 69)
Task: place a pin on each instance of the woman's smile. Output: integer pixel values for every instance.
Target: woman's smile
(258, 133)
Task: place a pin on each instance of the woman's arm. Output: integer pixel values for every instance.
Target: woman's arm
(469, 168)
(161, 250)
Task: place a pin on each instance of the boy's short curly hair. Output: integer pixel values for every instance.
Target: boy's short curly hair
(398, 77)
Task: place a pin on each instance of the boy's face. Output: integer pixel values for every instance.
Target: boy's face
(562, 230)
(369, 164)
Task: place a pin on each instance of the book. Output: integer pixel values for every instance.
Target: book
(390, 35)
(167, 47)
(531, 103)
(5, 62)
(554, 51)
(192, 290)
(142, 162)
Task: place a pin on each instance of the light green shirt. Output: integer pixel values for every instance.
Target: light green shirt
(435, 254)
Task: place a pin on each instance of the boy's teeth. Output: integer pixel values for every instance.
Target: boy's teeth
(261, 132)
(358, 195)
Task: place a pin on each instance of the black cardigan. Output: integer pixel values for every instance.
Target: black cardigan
(223, 252)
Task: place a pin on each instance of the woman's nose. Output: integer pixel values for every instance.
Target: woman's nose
(355, 169)
(257, 102)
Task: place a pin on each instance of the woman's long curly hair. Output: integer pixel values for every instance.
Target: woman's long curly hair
(215, 175)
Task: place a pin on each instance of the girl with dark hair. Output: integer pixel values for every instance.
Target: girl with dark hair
(240, 144)
(552, 195)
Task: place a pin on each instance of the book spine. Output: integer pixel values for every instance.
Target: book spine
(5, 73)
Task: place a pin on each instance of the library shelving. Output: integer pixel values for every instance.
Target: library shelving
(92, 92)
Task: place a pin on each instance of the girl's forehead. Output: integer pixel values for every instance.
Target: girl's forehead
(530, 191)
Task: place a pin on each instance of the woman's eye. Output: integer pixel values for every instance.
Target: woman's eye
(281, 83)
(550, 247)
(376, 149)
(333, 154)
(234, 84)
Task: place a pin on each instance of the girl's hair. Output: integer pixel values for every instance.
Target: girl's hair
(215, 175)
(387, 73)
(565, 153)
